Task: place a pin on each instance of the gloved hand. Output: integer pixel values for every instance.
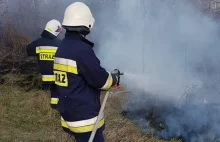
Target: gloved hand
(117, 74)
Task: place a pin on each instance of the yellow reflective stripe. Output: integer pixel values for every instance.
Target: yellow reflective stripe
(54, 101)
(46, 51)
(108, 83)
(47, 78)
(50, 30)
(82, 129)
(66, 68)
(64, 124)
(86, 122)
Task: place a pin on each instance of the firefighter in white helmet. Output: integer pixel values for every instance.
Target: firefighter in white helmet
(45, 48)
(79, 76)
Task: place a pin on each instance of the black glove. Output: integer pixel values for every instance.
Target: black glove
(117, 73)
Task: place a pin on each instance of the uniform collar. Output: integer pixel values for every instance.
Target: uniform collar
(79, 36)
(46, 34)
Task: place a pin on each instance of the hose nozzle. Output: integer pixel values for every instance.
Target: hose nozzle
(118, 74)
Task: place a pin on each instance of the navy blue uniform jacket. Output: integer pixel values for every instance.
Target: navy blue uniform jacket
(44, 48)
(80, 79)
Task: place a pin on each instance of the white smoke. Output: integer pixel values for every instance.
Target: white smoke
(161, 46)
(153, 42)
(167, 49)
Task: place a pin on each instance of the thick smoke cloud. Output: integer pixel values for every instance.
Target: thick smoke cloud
(170, 55)
(153, 42)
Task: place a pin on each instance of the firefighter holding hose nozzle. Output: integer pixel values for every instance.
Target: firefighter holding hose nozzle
(79, 76)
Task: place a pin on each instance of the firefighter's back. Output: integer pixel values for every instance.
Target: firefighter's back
(44, 49)
(78, 100)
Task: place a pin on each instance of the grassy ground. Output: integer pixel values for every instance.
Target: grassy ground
(27, 117)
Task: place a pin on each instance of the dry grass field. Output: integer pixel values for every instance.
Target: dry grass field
(25, 116)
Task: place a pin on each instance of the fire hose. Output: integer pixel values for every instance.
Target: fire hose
(118, 74)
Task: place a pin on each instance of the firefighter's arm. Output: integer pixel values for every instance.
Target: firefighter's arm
(31, 48)
(95, 75)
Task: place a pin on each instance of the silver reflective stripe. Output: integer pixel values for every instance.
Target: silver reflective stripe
(55, 99)
(64, 61)
(48, 76)
(83, 122)
(46, 47)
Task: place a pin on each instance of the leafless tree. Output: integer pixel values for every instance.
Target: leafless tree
(3, 7)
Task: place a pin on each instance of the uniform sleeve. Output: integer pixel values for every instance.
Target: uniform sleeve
(31, 49)
(95, 75)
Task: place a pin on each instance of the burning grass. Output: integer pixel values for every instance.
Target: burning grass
(26, 116)
(191, 121)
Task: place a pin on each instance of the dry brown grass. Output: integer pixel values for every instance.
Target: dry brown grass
(120, 129)
(27, 117)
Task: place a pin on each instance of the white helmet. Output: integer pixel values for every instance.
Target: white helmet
(54, 27)
(78, 14)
